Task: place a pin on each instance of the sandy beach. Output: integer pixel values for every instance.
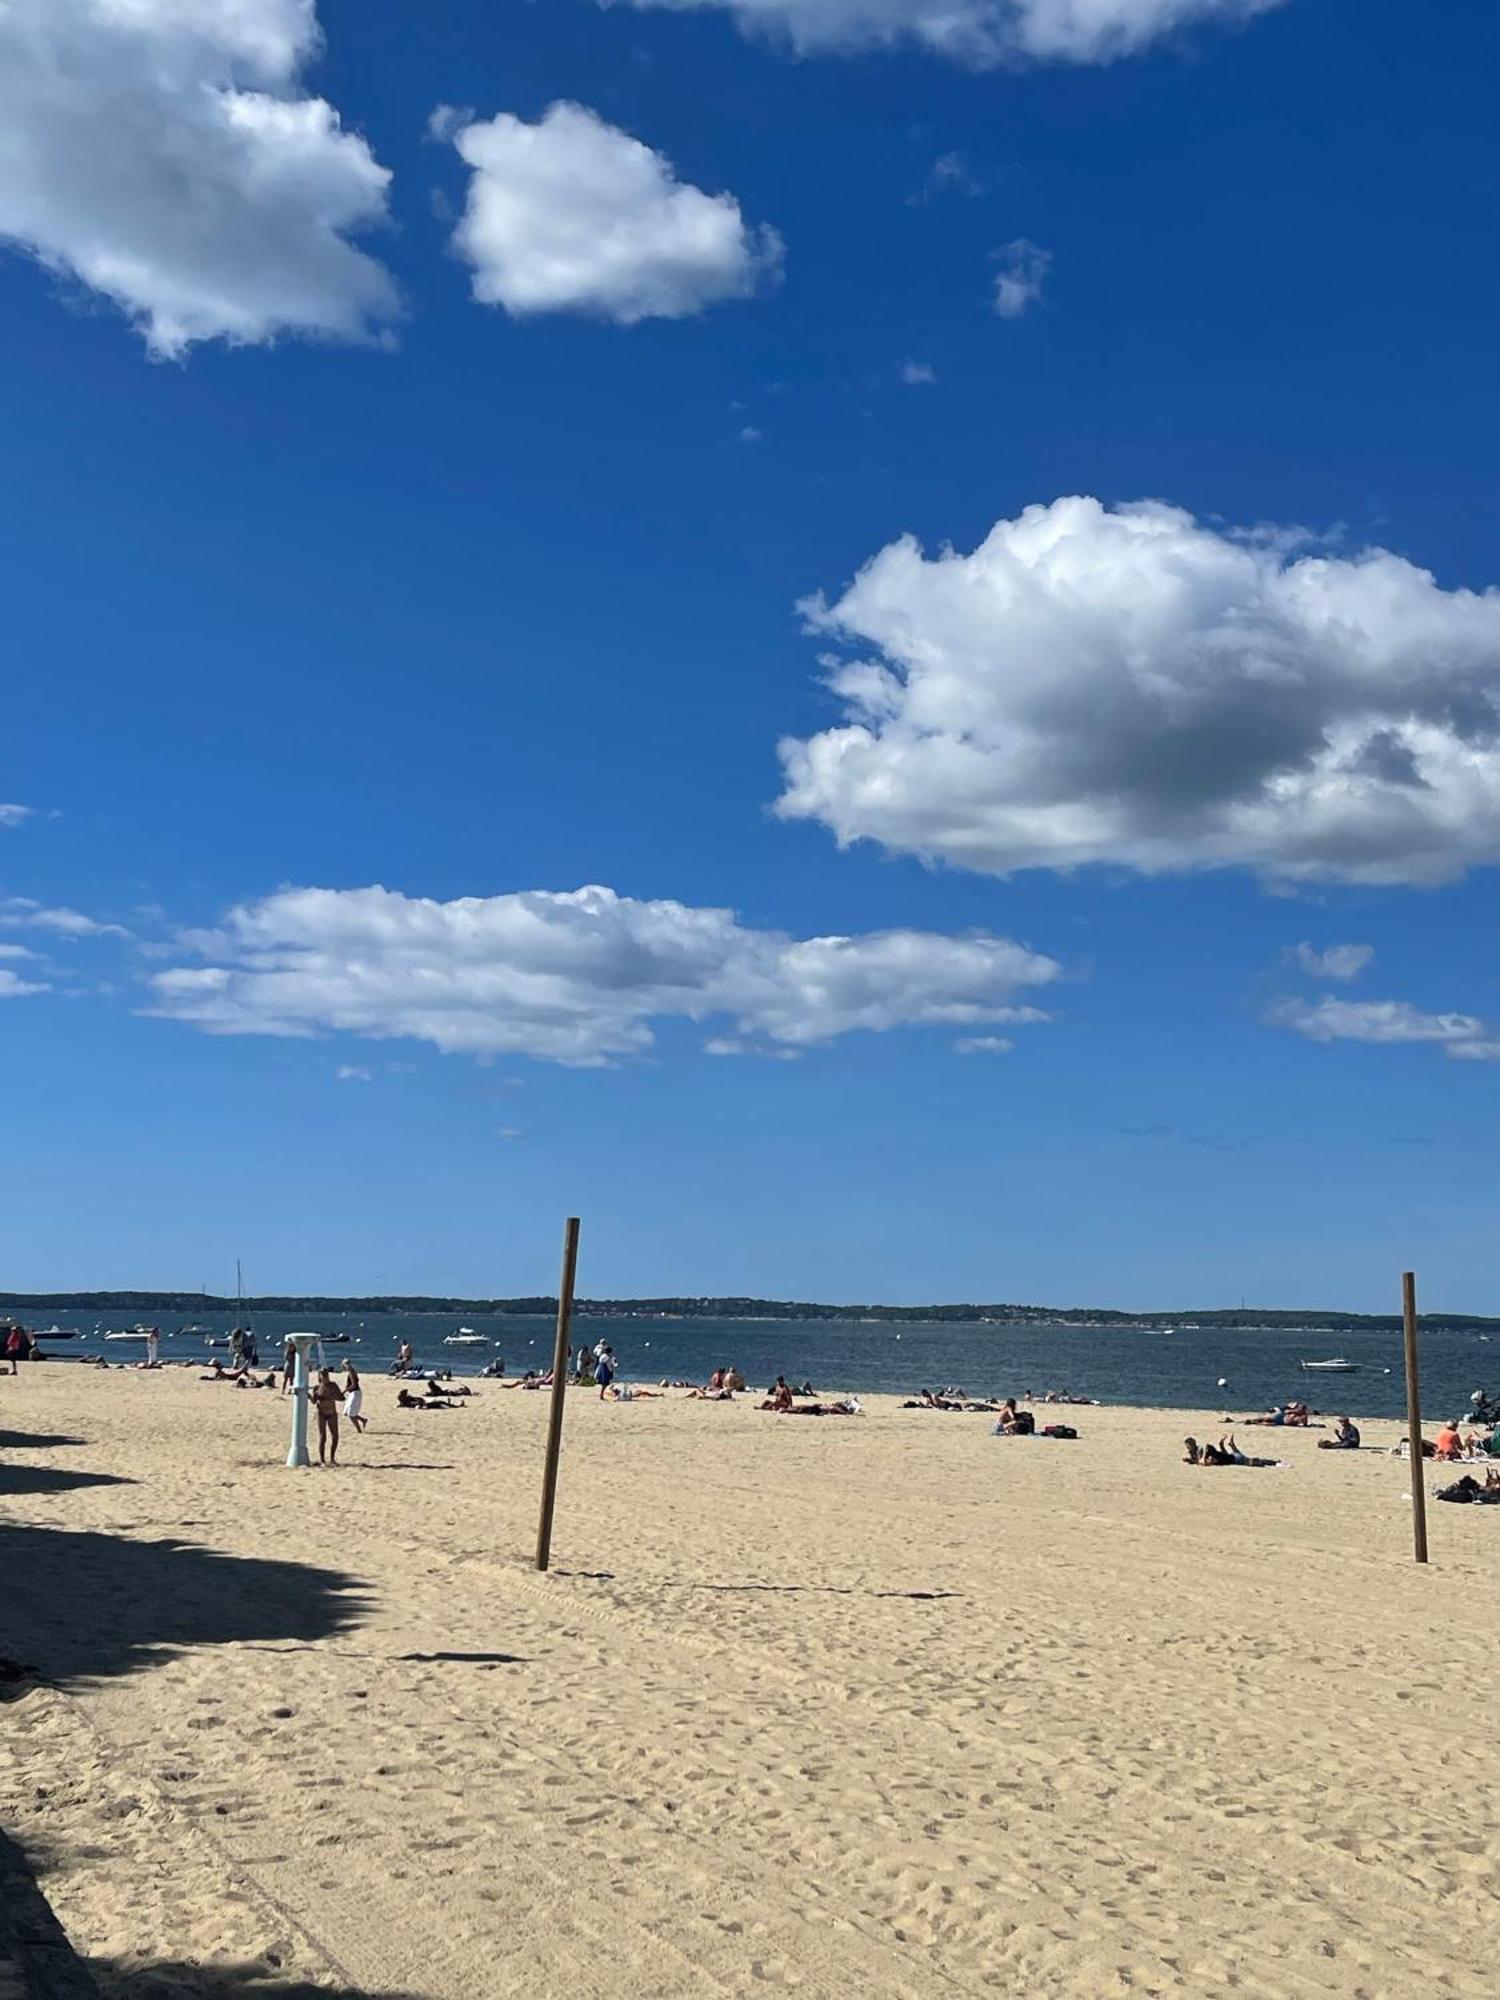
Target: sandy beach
(879, 1706)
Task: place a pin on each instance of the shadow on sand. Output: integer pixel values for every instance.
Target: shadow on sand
(34, 1440)
(79, 1606)
(37, 1958)
(51, 1479)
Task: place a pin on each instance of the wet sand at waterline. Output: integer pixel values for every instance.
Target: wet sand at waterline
(876, 1706)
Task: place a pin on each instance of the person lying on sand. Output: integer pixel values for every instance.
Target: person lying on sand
(1469, 1491)
(449, 1388)
(716, 1389)
(242, 1378)
(1345, 1437)
(847, 1406)
(405, 1400)
(1225, 1452)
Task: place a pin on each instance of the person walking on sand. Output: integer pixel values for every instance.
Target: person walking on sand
(354, 1397)
(604, 1368)
(327, 1395)
(153, 1348)
(289, 1367)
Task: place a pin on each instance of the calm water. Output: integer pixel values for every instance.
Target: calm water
(1178, 1370)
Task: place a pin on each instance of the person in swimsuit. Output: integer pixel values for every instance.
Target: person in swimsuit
(288, 1368)
(780, 1397)
(326, 1397)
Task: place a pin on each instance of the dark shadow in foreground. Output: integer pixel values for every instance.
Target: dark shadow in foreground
(34, 1440)
(82, 1605)
(40, 1961)
(52, 1479)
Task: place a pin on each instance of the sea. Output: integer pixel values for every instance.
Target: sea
(1240, 1370)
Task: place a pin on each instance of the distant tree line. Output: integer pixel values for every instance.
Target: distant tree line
(188, 1304)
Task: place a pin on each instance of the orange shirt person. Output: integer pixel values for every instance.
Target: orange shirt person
(1449, 1443)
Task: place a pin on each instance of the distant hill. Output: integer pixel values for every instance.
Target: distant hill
(192, 1304)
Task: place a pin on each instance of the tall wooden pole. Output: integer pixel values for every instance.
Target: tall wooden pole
(1414, 1416)
(561, 1351)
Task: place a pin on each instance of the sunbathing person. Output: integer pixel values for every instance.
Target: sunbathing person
(405, 1400)
(1225, 1452)
(1013, 1422)
(847, 1406)
(780, 1398)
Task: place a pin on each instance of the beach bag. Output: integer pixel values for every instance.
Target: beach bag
(1058, 1431)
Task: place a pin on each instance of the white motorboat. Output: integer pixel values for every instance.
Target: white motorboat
(1337, 1366)
(55, 1333)
(125, 1336)
(466, 1337)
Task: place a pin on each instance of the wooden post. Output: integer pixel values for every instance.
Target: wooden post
(1414, 1416)
(561, 1353)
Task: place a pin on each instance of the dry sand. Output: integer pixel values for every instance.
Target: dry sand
(884, 1706)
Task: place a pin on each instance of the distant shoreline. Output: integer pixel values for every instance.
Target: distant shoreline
(1189, 1320)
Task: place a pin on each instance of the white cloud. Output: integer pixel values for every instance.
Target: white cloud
(352, 1073)
(15, 815)
(163, 153)
(1022, 274)
(510, 1133)
(984, 1045)
(14, 987)
(573, 215)
(23, 913)
(1464, 1036)
(576, 978)
(15, 951)
(750, 435)
(978, 33)
(1334, 961)
(1128, 686)
(918, 374)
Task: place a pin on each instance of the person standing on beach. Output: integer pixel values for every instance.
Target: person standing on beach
(354, 1397)
(289, 1368)
(604, 1368)
(153, 1348)
(327, 1396)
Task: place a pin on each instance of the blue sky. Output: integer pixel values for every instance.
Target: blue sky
(320, 573)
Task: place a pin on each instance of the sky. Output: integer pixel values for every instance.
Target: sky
(854, 638)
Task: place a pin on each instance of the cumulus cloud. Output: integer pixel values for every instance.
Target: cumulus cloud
(575, 978)
(24, 913)
(14, 987)
(978, 33)
(573, 215)
(164, 153)
(15, 815)
(1129, 686)
(352, 1073)
(1334, 961)
(918, 374)
(984, 1045)
(1021, 276)
(1463, 1036)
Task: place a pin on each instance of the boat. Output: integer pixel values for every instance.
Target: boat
(466, 1337)
(55, 1333)
(134, 1334)
(334, 1339)
(1337, 1366)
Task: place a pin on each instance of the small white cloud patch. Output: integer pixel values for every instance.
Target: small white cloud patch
(1333, 961)
(1022, 274)
(15, 815)
(573, 215)
(977, 33)
(1463, 1036)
